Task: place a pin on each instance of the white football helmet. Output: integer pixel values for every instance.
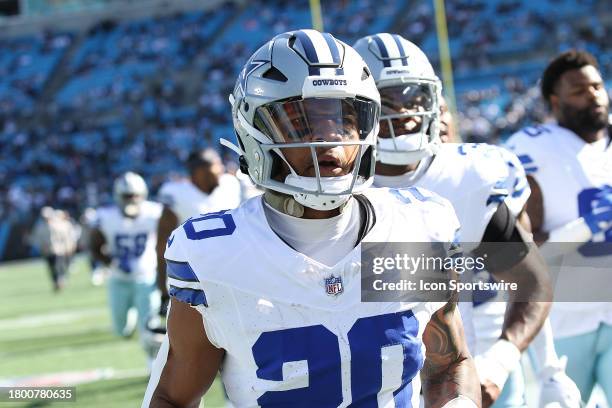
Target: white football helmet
(306, 89)
(410, 95)
(130, 191)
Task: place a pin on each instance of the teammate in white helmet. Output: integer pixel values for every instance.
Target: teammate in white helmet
(569, 168)
(207, 189)
(269, 293)
(123, 238)
(484, 183)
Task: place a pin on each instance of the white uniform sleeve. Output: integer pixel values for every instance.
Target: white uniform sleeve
(103, 222)
(184, 284)
(94, 221)
(525, 145)
(154, 209)
(441, 213)
(519, 191)
(502, 180)
(166, 195)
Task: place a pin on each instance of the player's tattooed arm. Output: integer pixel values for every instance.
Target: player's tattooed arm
(192, 363)
(449, 370)
(530, 304)
(167, 223)
(97, 245)
(510, 255)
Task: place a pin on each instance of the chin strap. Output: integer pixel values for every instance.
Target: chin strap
(287, 204)
(284, 203)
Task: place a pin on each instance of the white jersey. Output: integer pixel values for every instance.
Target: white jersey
(287, 341)
(186, 200)
(570, 172)
(131, 241)
(475, 178)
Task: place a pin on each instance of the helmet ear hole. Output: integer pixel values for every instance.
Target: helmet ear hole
(275, 74)
(365, 74)
(291, 41)
(277, 165)
(366, 163)
(244, 166)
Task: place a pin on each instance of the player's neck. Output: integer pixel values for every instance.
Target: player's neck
(205, 187)
(588, 136)
(592, 137)
(313, 214)
(393, 169)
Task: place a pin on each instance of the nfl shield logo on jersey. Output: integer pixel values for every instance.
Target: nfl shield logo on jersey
(333, 286)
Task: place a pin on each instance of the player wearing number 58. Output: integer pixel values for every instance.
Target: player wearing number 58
(270, 293)
(123, 239)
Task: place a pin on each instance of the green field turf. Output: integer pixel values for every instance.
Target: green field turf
(44, 333)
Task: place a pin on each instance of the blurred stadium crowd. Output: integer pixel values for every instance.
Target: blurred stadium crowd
(77, 108)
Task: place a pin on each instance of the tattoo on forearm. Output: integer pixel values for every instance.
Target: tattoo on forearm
(448, 371)
(441, 348)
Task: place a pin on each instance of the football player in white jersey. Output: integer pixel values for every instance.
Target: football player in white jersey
(569, 168)
(555, 387)
(208, 189)
(485, 184)
(270, 293)
(124, 239)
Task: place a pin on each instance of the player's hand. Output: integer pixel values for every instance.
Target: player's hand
(493, 368)
(490, 393)
(557, 390)
(600, 218)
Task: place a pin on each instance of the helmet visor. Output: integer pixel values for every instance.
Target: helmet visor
(404, 108)
(317, 119)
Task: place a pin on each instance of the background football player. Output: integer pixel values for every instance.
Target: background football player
(88, 221)
(124, 239)
(569, 167)
(270, 291)
(486, 185)
(207, 189)
(56, 237)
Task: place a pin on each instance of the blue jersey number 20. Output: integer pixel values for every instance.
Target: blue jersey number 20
(319, 349)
